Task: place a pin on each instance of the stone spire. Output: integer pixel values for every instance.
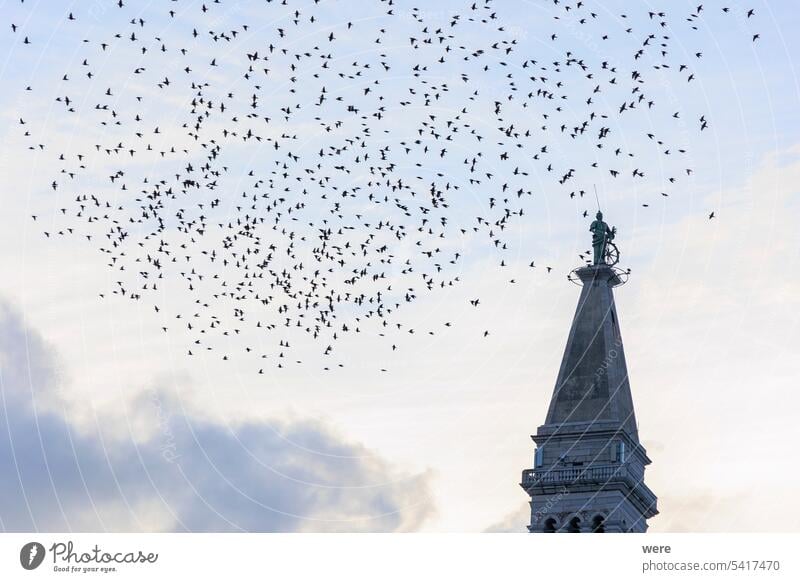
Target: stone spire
(588, 472)
(592, 384)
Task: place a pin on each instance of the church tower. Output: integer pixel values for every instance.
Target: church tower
(588, 471)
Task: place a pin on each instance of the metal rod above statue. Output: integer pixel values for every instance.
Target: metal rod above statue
(605, 251)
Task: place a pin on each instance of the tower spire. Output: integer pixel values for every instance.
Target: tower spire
(588, 472)
(592, 385)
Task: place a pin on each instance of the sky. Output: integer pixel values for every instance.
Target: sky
(111, 427)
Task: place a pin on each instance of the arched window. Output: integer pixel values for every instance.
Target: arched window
(598, 524)
(574, 525)
(549, 525)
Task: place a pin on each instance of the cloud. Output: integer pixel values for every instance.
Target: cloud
(699, 511)
(514, 522)
(176, 472)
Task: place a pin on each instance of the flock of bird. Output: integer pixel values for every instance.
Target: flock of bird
(323, 164)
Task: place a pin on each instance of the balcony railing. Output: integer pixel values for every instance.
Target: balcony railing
(598, 474)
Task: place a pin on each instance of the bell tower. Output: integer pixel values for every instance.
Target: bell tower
(588, 470)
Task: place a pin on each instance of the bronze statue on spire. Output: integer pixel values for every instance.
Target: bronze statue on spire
(602, 237)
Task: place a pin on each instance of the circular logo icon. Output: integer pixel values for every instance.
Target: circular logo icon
(31, 555)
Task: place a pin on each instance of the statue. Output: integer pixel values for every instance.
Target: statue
(601, 237)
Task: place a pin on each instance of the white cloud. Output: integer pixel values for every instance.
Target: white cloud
(189, 473)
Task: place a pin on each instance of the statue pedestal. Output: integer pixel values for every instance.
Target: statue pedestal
(596, 274)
